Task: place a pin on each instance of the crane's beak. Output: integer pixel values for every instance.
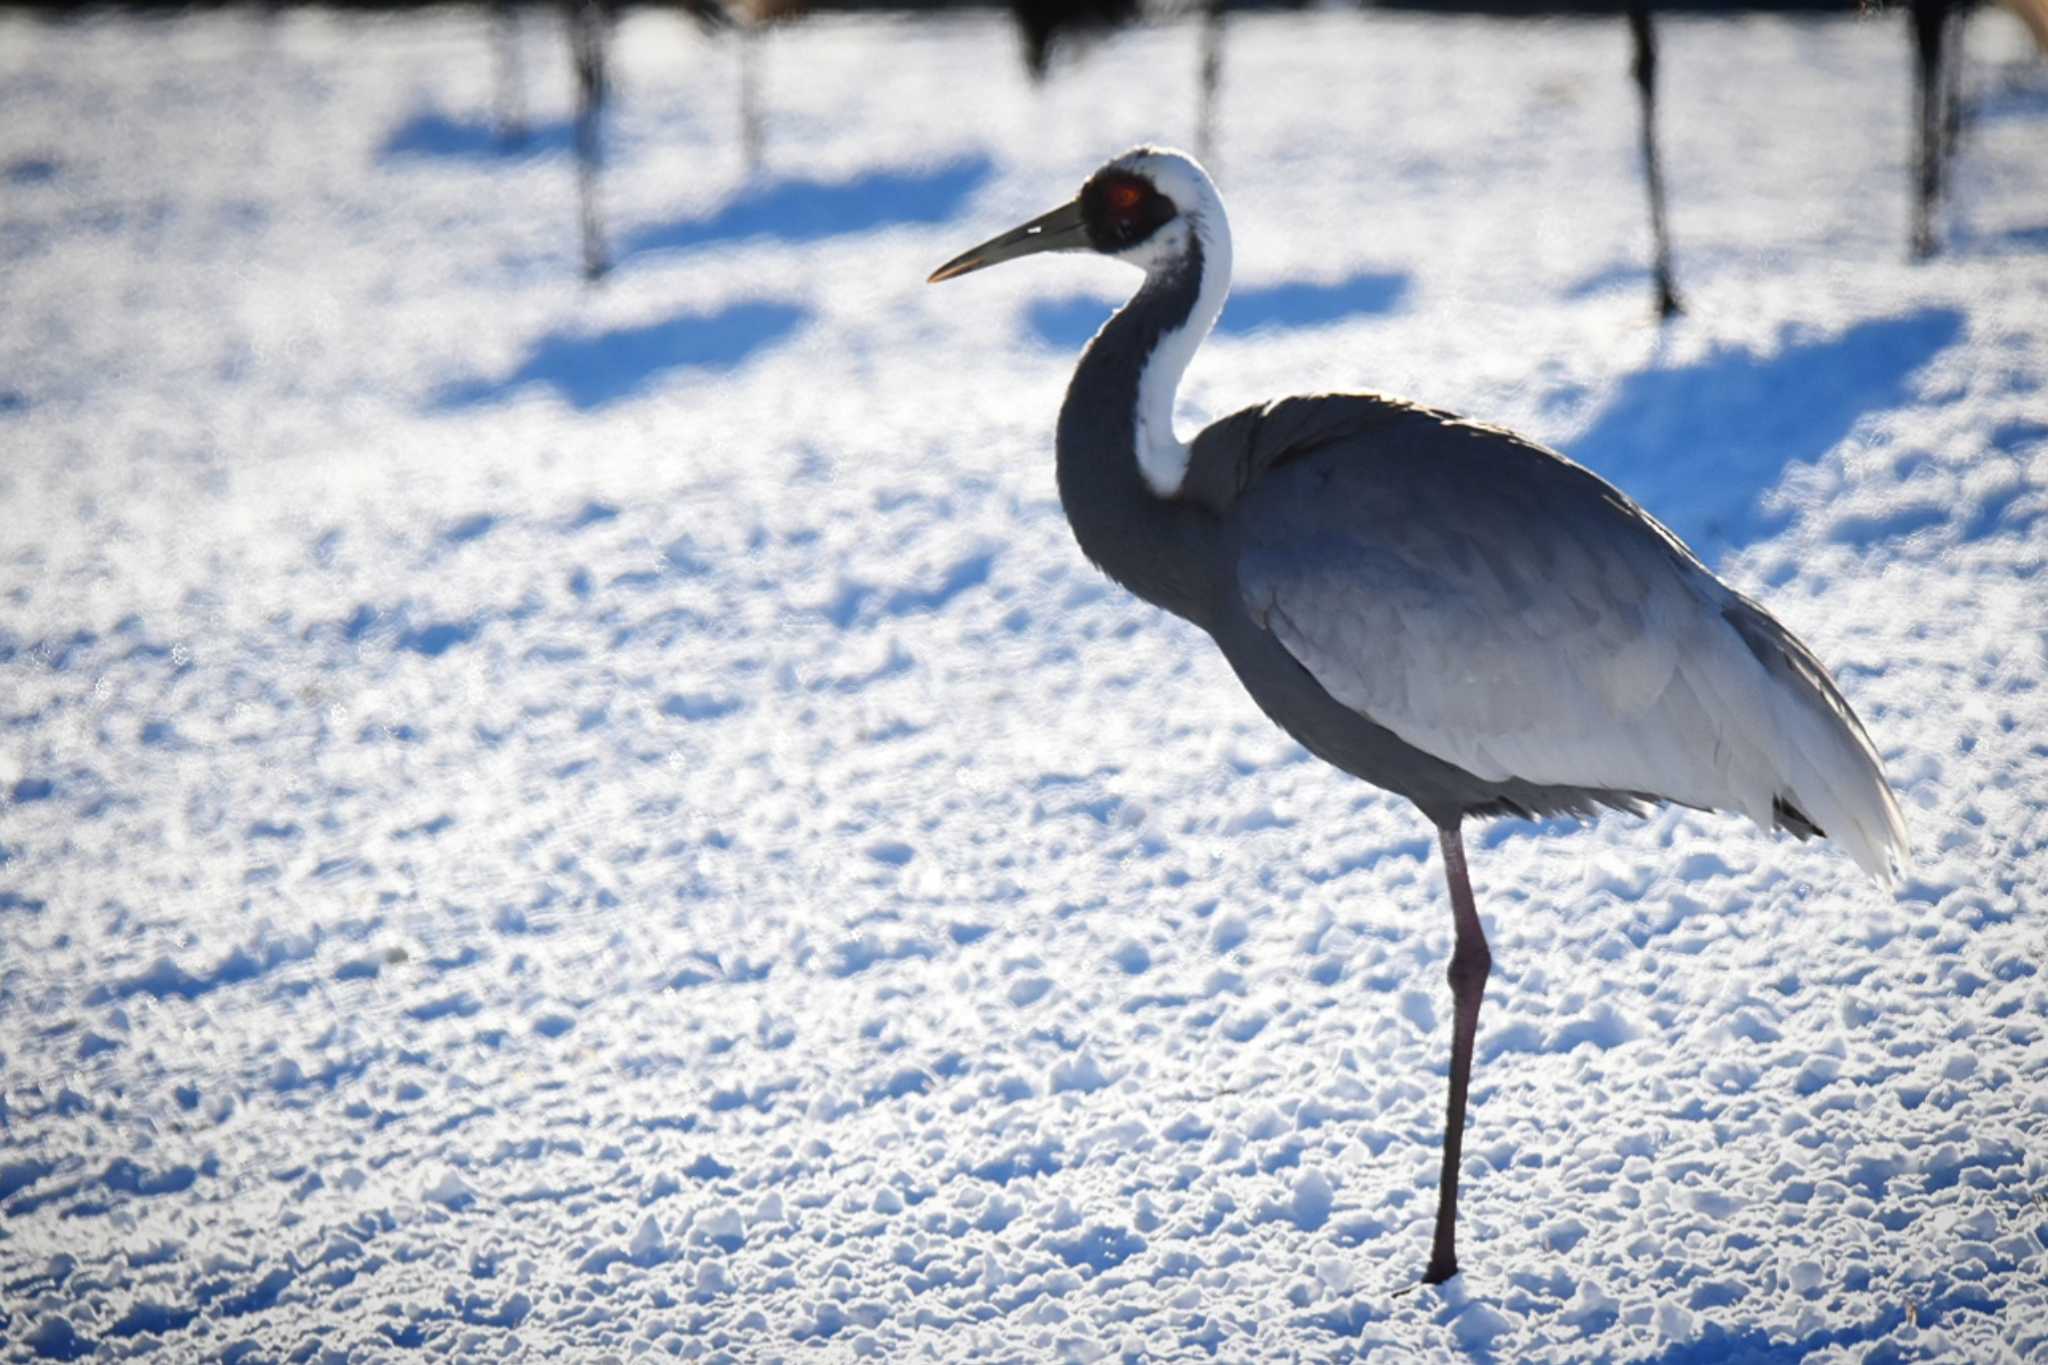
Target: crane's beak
(1060, 230)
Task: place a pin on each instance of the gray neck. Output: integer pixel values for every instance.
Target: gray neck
(1158, 547)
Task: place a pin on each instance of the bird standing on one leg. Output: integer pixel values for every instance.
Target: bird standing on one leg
(1444, 609)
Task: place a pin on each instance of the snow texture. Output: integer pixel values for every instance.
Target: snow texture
(559, 823)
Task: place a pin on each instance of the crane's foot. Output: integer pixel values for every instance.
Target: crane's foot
(1435, 1275)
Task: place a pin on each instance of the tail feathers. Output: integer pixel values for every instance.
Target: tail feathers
(1831, 778)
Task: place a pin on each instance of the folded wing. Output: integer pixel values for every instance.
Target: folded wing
(1506, 610)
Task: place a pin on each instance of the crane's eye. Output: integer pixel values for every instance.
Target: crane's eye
(1122, 210)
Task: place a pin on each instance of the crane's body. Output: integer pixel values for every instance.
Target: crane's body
(1441, 608)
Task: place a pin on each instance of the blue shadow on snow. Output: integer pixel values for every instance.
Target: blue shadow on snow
(431, 133)
(1636, 277)
(591, 371)
(1066, 323)
(2026, 239)
(31, 170)
(811, 210)
(1698, 446)
(1718, 1345)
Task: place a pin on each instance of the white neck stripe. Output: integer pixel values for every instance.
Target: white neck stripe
(1163, 457)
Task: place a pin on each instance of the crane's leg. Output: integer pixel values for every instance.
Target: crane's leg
(1470, 962)
(1645, 72)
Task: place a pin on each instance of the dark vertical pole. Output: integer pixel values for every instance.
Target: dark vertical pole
(1930, 22)
(750, 98)
(1952, 91)
(1645, 73)
(589, 32)
(1470, 963)
(1211, 79)
(511, 74)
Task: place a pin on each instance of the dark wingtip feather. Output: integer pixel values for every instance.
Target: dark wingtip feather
(1795, 821)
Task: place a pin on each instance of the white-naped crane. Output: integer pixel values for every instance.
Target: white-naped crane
(1440, 607)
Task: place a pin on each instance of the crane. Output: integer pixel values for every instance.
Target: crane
(1440, 607)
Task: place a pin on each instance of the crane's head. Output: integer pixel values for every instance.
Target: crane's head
(1150, 207)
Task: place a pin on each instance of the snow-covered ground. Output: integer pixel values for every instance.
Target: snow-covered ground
(550, 822)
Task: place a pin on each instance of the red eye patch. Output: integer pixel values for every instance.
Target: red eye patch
(1125, 196)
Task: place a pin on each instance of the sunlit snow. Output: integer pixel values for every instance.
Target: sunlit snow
(541, 821)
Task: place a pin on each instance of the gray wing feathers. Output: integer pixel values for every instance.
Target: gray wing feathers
(1845, 790)
(1233, 452)
(1504, 609)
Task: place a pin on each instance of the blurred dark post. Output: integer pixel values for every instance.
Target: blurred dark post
(755, 18)
(1930, 30)
(1952, 86)
(750, 99)
(590, 24)
(511, 73)
(1211, 79)
(1645, 72)
(1044, 24)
